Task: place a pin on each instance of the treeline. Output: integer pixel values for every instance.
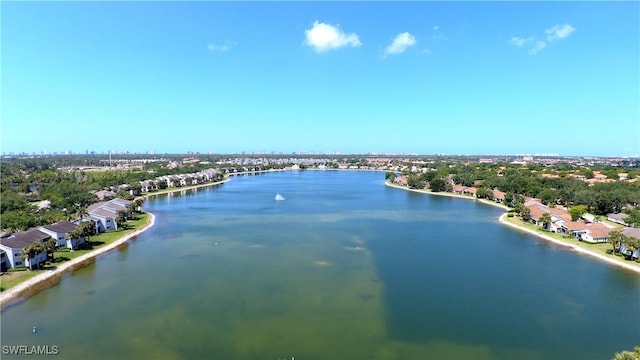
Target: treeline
(599, 199)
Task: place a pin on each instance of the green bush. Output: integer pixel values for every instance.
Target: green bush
(20, 268)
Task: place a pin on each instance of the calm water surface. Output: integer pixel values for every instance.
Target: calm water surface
(343, 268)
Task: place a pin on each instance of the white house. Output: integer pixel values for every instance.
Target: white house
(148, 186)
(15, 244)
(104, 213)
(59, 232)
(596, 233)
(4, 261)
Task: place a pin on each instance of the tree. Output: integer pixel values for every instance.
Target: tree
(139, 202)
(86, 230)
(547, 196)
(577, 211)
(30, 252)
(131, 208)
(390, 175)
(545, 219)
(484, 193)
(588, 173)
(525, 212)
(632, 244)
(616, 237)
(50, 245)
(438, 185)
(413, 182)
(121, 217)
(628, 355)
(74, 234)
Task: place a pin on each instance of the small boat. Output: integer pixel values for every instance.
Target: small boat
(279, 197)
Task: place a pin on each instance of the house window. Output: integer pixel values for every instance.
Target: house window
(18, 263)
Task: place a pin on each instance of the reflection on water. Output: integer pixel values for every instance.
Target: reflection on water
(344, 268)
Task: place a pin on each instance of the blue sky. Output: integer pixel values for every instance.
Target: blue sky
(415, 77)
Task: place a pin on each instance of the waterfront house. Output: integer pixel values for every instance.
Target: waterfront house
(15, 244)
(596, 233)
(402, 180)
(147, 186)
(211, 175)
(572, 228)
(497, 195)
(630, 232)
(557, 214)
(104, 213)
(105, 220)
(186, 180)
(172, 180)
(471, 190)
(59, 232)
(4, 261)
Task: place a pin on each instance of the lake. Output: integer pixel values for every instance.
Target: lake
(344, 268)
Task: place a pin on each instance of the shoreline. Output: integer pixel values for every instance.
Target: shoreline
(15, 293)
(183, 188)
(501, 219)
(19, 292)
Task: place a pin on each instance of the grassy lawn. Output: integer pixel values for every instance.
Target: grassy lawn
(10, 279)
(601, 248)
(103, 239)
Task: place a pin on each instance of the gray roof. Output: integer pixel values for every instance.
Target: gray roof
(104, 213)
(618, 216)
(95, 206)
(633, 232)
(61, 226)
(23, 239)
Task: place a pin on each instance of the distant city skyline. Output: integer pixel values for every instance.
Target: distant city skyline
(456, 78)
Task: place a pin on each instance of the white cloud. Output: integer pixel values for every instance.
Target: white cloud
(323, 37)
(538, 47)
(224, 47)
(553, 33)
(559, 32)
(400, 44)
(518, 41)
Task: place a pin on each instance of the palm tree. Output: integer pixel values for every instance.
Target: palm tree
(82, 212)
(139, 202)
(545, 219)
(51, 246)
(27, 253)
(30, 252)
(131, 209)
(121, 217)
(85, 230)
(632, 244)
(616, 237)
(74, 234)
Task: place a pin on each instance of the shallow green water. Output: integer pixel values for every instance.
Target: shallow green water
(343, 268)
